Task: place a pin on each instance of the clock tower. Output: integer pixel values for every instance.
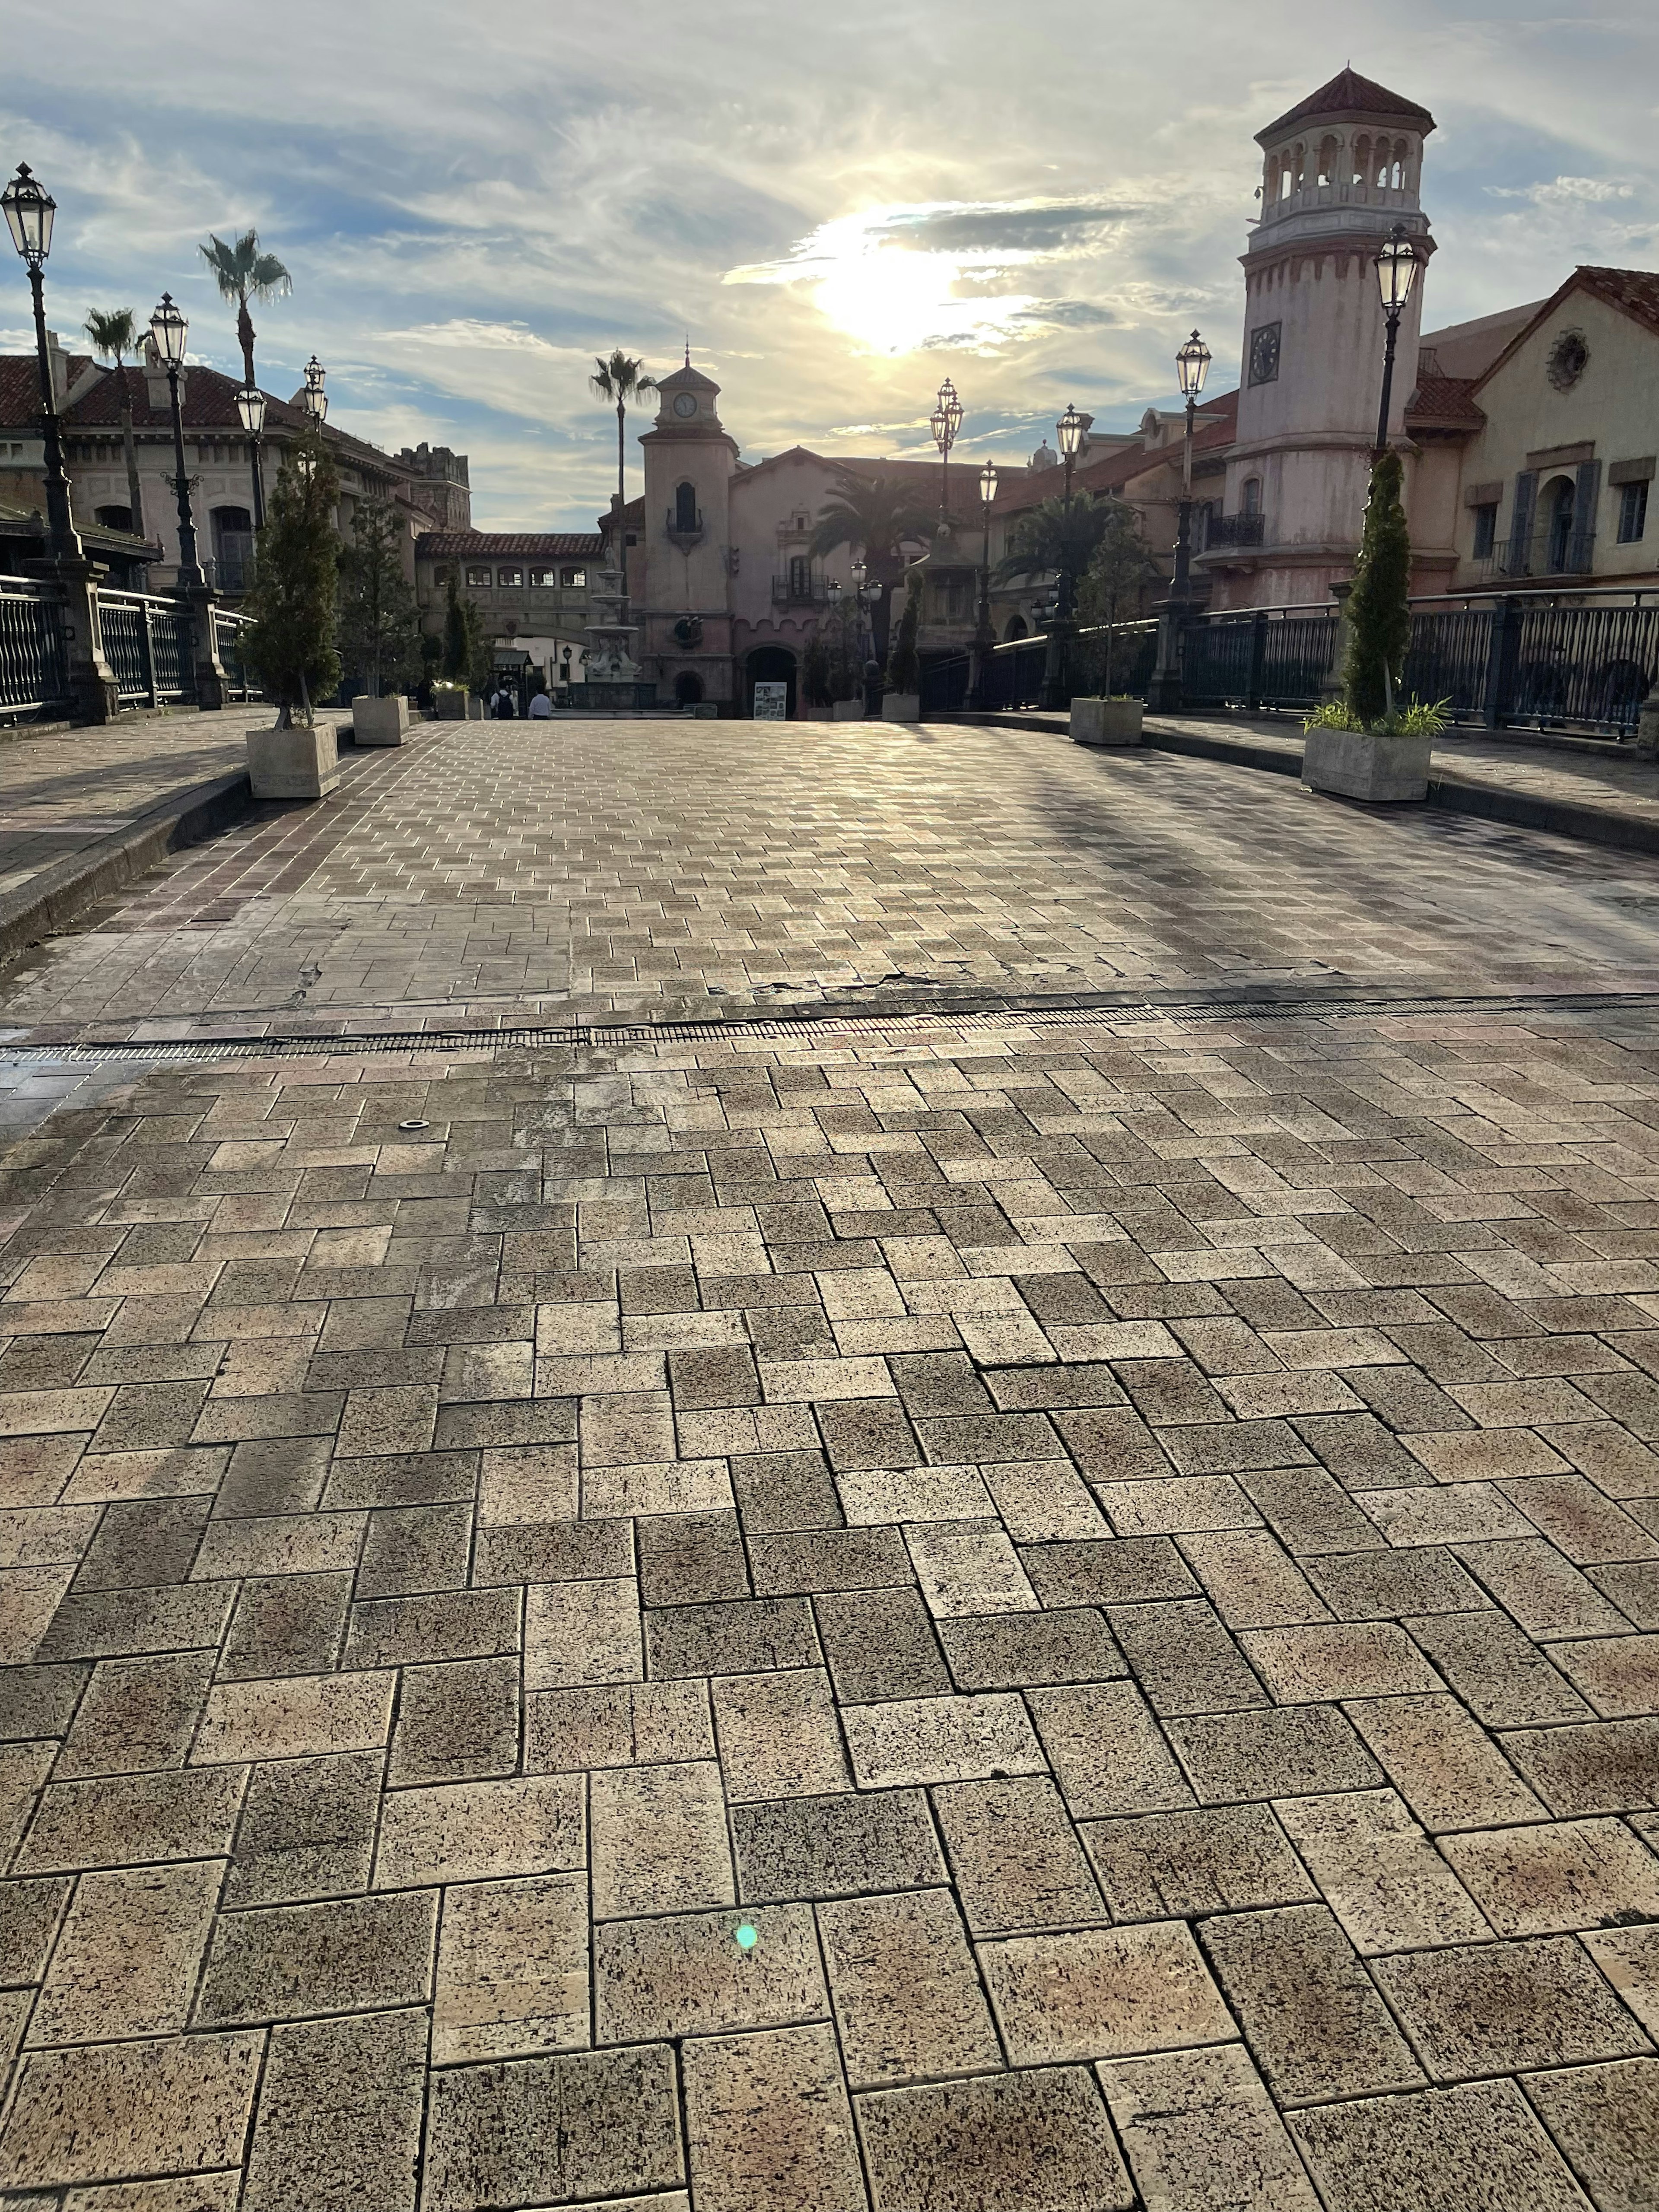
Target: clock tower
(685, 620)
(1340, 170)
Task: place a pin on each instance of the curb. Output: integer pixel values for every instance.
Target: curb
(59, 892)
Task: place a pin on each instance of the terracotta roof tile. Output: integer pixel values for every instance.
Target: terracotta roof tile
(1635, 290)
(1439, 401)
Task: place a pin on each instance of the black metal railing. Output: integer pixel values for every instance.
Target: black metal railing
(1265, 657)
(228, 632)
(1235, 530)
(1593, 663)
(800, 591)
(151, 647)
(33, 656)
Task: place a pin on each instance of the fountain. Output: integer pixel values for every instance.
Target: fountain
(610, 675)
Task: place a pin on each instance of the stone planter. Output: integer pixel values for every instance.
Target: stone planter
(452, 705)
(1356, 765)
(1647, 730)
(380, 721)
(902, 706)
(1109, 721)
(847, 710)
(293, 763)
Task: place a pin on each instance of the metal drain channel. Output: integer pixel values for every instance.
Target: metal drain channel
(1138, 1014)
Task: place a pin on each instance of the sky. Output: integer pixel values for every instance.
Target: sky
(838, 207)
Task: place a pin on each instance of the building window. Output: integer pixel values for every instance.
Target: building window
(120, 518)
(575, 580)
(543, 580)
(1486, 531)
(479, 579)
(1252, 495)
(1562, 505)
(1633, 513)
(685, 509)
(510, 580)
(800, 576)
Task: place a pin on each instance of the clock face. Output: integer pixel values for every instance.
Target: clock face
(1264, 354)
(685, 403)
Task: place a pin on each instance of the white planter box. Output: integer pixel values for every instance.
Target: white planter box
(293, 763)
(902, 706)
(1108, 722)
(847, 710)
(1354, 764)
(380, 721)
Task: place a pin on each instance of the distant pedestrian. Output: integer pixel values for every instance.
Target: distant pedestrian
(541, 707)
(495, 704)
(509, 704)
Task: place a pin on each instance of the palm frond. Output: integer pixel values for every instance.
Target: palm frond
(113, 333)
(241, 271)
(620, 378)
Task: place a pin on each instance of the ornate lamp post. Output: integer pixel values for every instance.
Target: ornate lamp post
(1396, 261)
(314, 398)
(30, 210)
(1192, 364)
(169, 330)
(984, 635)
(946, 421)
(1057, 672)
(250, 406)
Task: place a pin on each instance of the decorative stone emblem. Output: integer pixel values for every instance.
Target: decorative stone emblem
(1569, 357)
(688, 631)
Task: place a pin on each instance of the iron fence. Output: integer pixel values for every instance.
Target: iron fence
(229, 631)
(151, 647)
(34, 655)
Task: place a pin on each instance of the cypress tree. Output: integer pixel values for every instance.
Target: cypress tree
(458, 644)
(1379, 609)
(289, 645)
(379, 622)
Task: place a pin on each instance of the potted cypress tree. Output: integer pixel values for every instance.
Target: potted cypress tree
(379, 626)
(1366, 745)
(902, 702)
(289, 644)
(1116, 577)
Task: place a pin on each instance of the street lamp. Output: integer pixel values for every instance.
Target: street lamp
(944, 422)
(169, 330)
(1396, 261)
(315, 399)
(1192, 365)
(250, 406)
(29, 212)
(1057, 670)
(984, 635)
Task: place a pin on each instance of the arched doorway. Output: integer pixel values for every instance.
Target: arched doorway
(1016, 628)
(233, 547)
(688, 689)
(770, 663)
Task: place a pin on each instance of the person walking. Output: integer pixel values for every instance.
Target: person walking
(541, 707)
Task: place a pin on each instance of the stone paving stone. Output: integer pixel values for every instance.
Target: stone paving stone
(137, 1713)
(1126, 1571)
(457, 1722)
(338, 2123)
(1345, 1659)
(1506, 2007)
(299, 1716)
(1311, 2014)
(307, 1830)
(883, 1643)
(132, 1819)
(1601, 1767)
(1231, 1758)
(1379, 1873)
(968, 1567)
(777, 1735)
(1431, 2150)
(541, 2130)
(111, 1624)
(836, 1846)
(687, 1974)
(1201, 2132)
(768, 2124)
(1106, 1750)
(581, 1632)
(170, 2105)
(908, 2002)
(619, 1724)
(1606, 2119)
(480, 1831)
(294, 1962)
(744, 1635)
(1034, 2141)
(30, 1913)
(1393, 1585)
(1105, 1993)
(127, 1960)
(924, 1740)
(1619, 1674)
(512, 1975)
(1497, 1670)
(1443, 1764)
(1015, 1856)
(287, 1624)
(659, 1840)
(1184, 1658)
(1182, 1865)
(1009, 1651)
(1569, 1873)
(1629, 1958)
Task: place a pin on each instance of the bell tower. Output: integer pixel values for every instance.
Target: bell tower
(685, 620)
(1340, 171)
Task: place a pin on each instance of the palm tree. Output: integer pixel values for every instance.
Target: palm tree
(618, 380)
(1059, 537)
(243, 273)
(876, 513)
(114, 335)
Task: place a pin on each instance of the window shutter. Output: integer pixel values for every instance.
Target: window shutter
(1581, 552)
(1525, 495)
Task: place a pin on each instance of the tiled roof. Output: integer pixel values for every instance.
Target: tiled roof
(1443, 402)
(506, 544)
(1635, 290)
(1347, 94)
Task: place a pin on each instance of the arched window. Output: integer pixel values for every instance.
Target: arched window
(1362, 159)
(1270, 188)
(688, 689)
(1299, 158)
(1329, 152)
(685, 508)
(115, 518)
(1397, 171)
(1286, 176)
(1251, 495)
(1561, 504)
(1016, 628)
(233, 546)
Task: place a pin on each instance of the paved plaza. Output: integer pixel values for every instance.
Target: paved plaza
(1045, 1598)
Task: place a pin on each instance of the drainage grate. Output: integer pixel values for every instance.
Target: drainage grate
(1180, 1014)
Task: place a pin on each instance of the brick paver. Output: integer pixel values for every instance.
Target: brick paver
(1030, 1619)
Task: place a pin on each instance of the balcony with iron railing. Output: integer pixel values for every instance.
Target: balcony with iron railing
(684, 526)
(1550, 551)
(796, 589)
(1226, 530)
